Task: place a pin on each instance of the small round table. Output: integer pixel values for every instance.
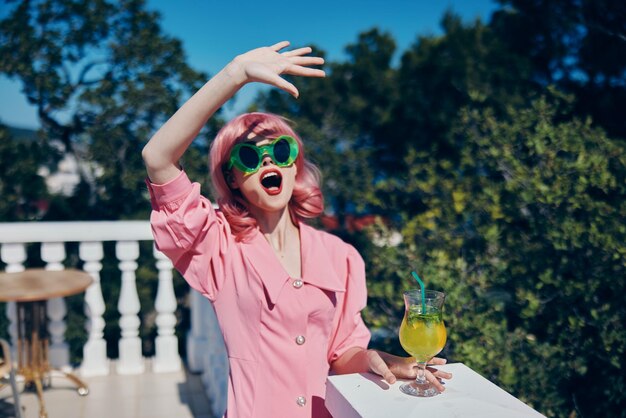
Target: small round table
(30, 289)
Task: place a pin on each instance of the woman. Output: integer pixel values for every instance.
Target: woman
(288, 298)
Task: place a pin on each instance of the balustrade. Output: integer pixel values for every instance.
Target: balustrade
(205, 348)
(95, 361)
(53, 236)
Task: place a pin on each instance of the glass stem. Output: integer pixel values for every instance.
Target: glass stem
(421, 373)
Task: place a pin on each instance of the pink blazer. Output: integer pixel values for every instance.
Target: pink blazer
(281, 332)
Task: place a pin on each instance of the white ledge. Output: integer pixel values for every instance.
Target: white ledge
(467, 395)
(23, 232)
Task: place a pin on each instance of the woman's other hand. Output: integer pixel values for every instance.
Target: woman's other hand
(392, 367)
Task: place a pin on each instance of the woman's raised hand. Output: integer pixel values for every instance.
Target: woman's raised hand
(266, 64)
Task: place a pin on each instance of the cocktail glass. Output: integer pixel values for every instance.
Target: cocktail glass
(422, 335)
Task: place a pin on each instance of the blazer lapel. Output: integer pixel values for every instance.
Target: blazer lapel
(318, 267)
(268, 268)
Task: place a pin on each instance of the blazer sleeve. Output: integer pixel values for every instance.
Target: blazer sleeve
(350, 329)
(191, 233)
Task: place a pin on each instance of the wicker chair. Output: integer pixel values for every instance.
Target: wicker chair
(8, 372)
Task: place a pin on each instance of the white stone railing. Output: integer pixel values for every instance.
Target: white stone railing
(205, 349)
(90, 235)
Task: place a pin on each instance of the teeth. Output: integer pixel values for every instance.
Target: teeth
(270, 174)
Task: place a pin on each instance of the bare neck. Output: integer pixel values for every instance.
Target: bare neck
(279, 230)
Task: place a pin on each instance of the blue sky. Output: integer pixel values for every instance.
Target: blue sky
(214, 31)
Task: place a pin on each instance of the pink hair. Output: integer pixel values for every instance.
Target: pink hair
(306, 201)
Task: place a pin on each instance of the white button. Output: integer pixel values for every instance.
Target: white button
(297, 283)
(301, 400)
(300, 339)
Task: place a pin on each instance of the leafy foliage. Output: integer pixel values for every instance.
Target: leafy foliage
(576, 45)
(22, 189)
(524, 235)
(103, 77)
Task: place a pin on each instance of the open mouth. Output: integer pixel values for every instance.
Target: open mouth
(272, 181)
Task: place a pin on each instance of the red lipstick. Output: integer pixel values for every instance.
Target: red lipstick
(271, 181)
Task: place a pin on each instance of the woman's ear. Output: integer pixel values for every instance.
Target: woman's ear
(230, 180)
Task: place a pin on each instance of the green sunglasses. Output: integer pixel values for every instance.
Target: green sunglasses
(247, 157)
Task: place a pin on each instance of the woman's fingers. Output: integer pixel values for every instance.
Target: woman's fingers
(287, 86)
(307, 61)
(280, 45)
(299, 57)
(296, 52)
(439, 373)
(278, 81)
(378, 366)
(304, 71)
(437, 361)
(300, 66)
(402, 367)
(435, 381)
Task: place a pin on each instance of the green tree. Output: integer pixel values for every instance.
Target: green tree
(103, 77)
(524, 233)
(578, 45)
(439, 75)
(545, 199)
(22, 189)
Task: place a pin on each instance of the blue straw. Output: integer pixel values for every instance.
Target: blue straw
(423, 291)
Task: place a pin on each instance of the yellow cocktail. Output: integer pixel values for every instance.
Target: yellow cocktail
(422, 335)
